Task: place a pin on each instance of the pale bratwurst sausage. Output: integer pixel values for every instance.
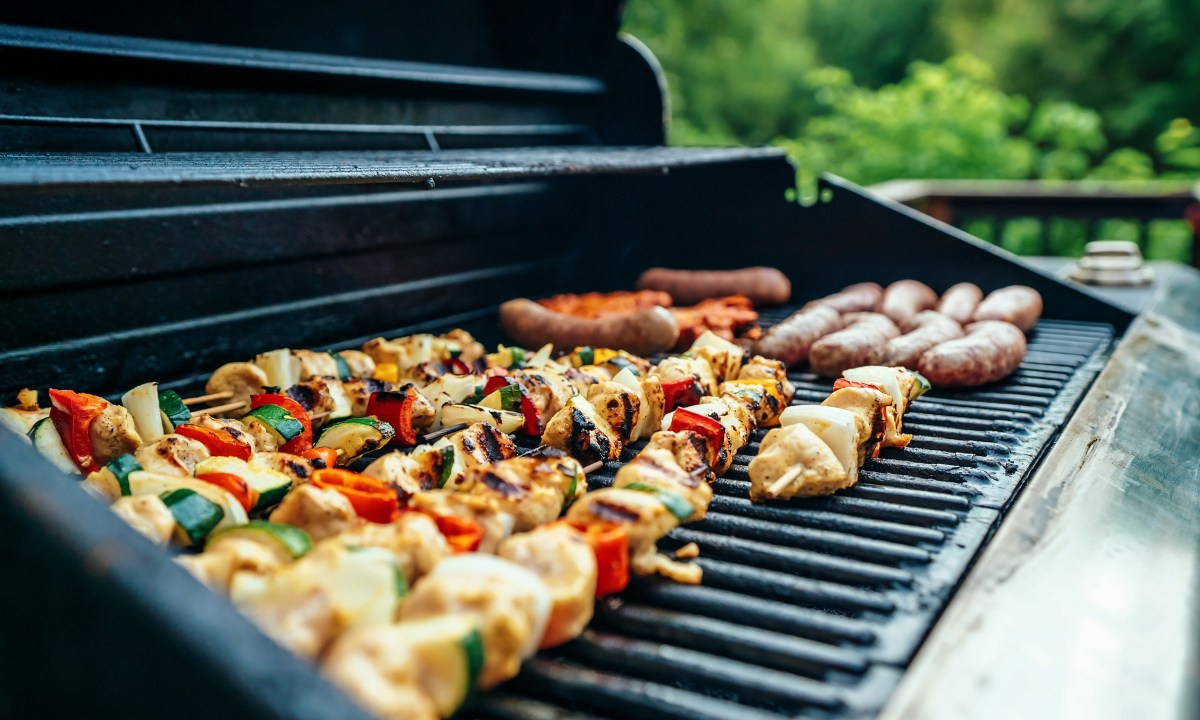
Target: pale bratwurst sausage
(930, 329)
(791, 339)
(763, 285)
(903, 299)
(991, 350)
(1016, 304)
(959, 302)
(643, 333)
(862, 342)
(859, 297)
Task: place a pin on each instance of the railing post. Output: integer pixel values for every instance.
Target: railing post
(1192, 214)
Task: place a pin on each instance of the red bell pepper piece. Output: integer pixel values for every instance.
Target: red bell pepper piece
(326, 455)
(234, 485)
(395, 408)
(610, 544)
(533, 418)
(712, 431)
(844, 383)
(72, 414)
(458, 367)
(373, 499)
(463, 534)
(303, 441)
(680, 393)
(218, 442)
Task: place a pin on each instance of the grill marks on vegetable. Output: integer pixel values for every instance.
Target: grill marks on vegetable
(815, 607)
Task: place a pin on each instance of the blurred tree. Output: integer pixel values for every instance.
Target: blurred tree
(876, 41)
(1134, 61)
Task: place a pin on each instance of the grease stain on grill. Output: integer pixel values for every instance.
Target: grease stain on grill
(812, 608)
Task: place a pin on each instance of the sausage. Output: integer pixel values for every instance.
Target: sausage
(1016, 304)
(860, 297)
(642, 333)
(791, 339)
(903, 299)
(959, 302)
(991, 350)
(930, 329)
(763, 285)
(862, 342)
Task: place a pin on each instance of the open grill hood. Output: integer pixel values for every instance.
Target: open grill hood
(191, 192)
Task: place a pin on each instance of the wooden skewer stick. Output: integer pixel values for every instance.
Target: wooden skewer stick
(784, 480)
(228, 394)
(593, 467)
(220, 408)
(436, 434)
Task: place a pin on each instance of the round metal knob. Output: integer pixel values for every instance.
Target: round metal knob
(1112, 262)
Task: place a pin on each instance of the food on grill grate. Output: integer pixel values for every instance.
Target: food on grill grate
(926, 330)
(820, 448)
(1016, 304)
(791, 340)
(990, 351)
(862, 341)
(903, 299)
(860, 297)
(959, 302)
(644, 332)
(762, 285)
(597, 304)
(725, 317)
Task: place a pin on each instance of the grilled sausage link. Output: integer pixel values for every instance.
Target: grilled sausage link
(791, 340)
(903, 299)
(763, 285)
(642, 333)
(862, 342)
(1016, 304)
(860, 297)
(959, 302)
(991, 350)
(931, 328)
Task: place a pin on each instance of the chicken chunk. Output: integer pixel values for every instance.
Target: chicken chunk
(360, 364)
(580, 431)
(560, 555)
(548, 391)
(678, 368)
(319, 512)
(793, 462)
(414, 541)
(171, 455)
(534, 490)
(315, 363)
(646, 520)
(225, 557)
(113, 434)
(235, 428)
(618, 406)
(483, 444)
(761, 368)
(381, 672)
(672, 462)
(868, 405)
(512, 603)
(470, 349)
(148, 515)
(408, 473)
(299, 469)
(497, 524)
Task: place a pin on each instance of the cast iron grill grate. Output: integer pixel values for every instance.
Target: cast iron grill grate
(813, 608)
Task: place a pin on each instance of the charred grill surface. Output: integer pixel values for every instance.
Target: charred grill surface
(814, 607)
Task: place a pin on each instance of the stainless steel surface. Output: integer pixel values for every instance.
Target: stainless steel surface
(1087, 602)
(1112, 262)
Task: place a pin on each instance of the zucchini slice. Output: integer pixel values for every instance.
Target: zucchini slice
(506, 420)
(454, 645)
(195, 515)
(354, 436)
(343, 369)
(174, 412)
(292, 540)
(275, 420)
(271, 485)
(508, 397)
(46, 439)
(142, 482)
(142, 402)
(679, 507)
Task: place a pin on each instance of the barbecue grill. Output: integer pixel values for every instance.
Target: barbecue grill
(180, 191)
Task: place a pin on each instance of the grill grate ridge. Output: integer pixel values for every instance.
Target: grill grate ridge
(812, 608)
